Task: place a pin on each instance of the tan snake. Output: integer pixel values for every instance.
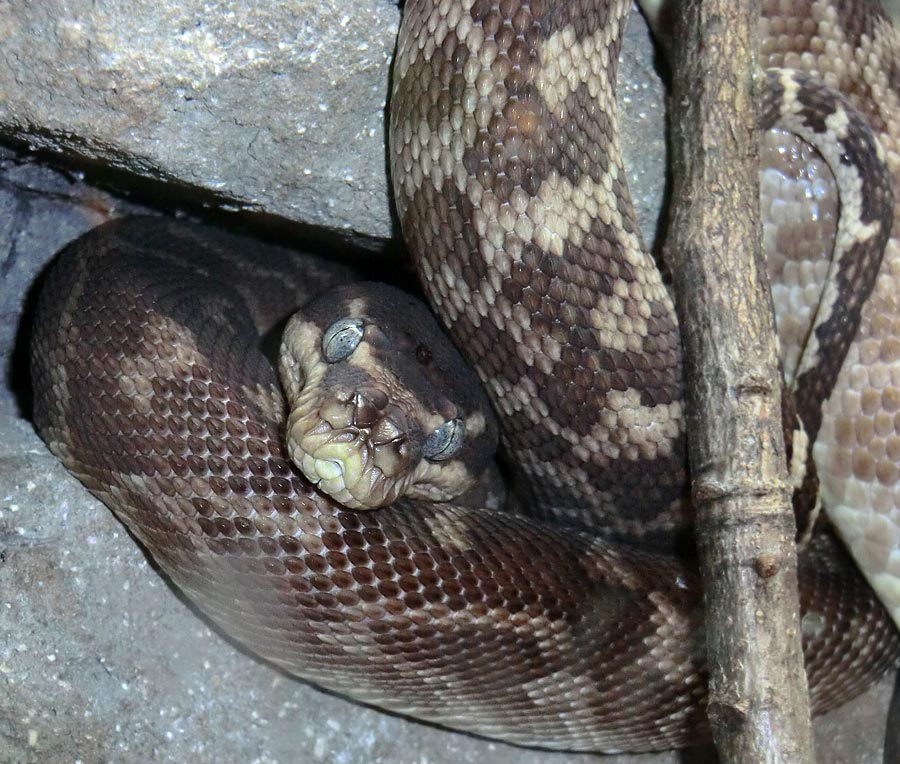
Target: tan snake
(150, 386)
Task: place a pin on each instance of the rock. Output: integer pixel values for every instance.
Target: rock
(265, 106)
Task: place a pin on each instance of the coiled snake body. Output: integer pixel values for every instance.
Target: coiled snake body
(151, 388)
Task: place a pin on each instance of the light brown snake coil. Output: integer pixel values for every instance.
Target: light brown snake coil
(150, 387)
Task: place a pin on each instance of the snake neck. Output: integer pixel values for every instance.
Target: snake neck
(531, 254)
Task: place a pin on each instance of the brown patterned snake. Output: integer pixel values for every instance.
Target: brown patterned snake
(151, 388)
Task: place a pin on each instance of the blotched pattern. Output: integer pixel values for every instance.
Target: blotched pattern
(150, 387)
(800, 211)
(510, 189)
(511, 192)
(512, 195)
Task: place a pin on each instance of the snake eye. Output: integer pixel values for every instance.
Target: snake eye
(445, 440)
(341, 338)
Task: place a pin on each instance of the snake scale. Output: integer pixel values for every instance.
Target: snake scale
(575, 621)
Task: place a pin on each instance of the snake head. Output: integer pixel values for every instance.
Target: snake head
(381, 404)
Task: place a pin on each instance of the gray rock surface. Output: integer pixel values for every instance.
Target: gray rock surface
(268, 106)
(265, 105)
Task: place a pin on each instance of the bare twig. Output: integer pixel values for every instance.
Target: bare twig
(758, 701)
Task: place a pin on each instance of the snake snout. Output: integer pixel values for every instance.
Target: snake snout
(355, 446)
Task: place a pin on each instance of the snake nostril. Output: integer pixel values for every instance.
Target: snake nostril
(368, 407)
(365, 413)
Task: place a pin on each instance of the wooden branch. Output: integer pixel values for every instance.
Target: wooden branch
(745, 529)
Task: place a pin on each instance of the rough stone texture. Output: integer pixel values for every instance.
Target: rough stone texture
(100, 660)
(267, 105)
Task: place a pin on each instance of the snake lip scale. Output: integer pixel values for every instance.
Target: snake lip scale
(571, 619)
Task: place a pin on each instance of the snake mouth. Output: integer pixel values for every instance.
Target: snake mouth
(354, 447)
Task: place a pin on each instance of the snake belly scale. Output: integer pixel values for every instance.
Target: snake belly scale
(150, 386)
